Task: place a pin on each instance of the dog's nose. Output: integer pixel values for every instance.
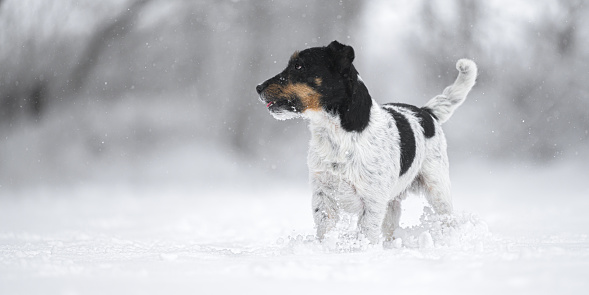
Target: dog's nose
(259, 88)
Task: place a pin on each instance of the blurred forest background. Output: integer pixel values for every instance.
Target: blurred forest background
(124, 89)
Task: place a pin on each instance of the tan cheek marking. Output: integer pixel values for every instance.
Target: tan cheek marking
(309, 97)
(318, 81)
(274, 90)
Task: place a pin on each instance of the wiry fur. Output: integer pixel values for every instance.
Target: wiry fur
(364, 158)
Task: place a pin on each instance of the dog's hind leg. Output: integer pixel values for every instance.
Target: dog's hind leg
(434, 182)
(392, 218)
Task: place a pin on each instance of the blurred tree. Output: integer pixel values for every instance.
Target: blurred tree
(118, 27)
(449, 34)
(255, 19)
(220, 52)
(547, 91)
(43, 40)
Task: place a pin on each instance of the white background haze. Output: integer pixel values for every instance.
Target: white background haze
(136, 158)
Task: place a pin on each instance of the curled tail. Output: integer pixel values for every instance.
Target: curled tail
(443, 105)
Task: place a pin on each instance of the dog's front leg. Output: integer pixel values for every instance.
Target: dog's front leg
(371, 219)
(324, 213)
(324, 207)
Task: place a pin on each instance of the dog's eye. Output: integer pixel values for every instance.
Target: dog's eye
(298, 67)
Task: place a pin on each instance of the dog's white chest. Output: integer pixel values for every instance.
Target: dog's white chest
(356, 163)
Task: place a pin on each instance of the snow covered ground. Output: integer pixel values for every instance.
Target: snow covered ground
(517, 230)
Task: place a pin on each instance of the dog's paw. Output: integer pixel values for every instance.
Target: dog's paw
(465, 65)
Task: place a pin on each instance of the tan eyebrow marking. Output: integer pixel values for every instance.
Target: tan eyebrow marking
(318, 81)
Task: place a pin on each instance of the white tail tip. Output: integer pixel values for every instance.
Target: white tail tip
(466, 66)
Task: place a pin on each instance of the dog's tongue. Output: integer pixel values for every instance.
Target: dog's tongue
(269, 104)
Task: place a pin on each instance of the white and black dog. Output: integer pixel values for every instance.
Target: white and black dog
(364, 158)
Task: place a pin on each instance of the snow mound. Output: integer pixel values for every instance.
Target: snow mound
(344, 238)
(463, 230)
(334, 242)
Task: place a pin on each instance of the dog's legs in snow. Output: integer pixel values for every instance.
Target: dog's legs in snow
(392, 218)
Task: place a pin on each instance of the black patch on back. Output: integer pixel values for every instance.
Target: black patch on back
(430, 112)
(407, 140)
(425, 115)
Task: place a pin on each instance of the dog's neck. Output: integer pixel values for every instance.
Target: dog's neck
(332, 143)
(322, 121)
(354, 112)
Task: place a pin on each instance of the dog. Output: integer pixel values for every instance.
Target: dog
(364, 158)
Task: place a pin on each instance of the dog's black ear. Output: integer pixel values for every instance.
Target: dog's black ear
(344, 56)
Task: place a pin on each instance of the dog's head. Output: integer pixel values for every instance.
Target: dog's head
(319, 79)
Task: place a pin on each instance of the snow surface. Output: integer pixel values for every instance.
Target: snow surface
(515, 231)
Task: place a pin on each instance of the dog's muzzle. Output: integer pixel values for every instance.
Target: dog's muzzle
(262, 96)
(260, 88)
(280, 108)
